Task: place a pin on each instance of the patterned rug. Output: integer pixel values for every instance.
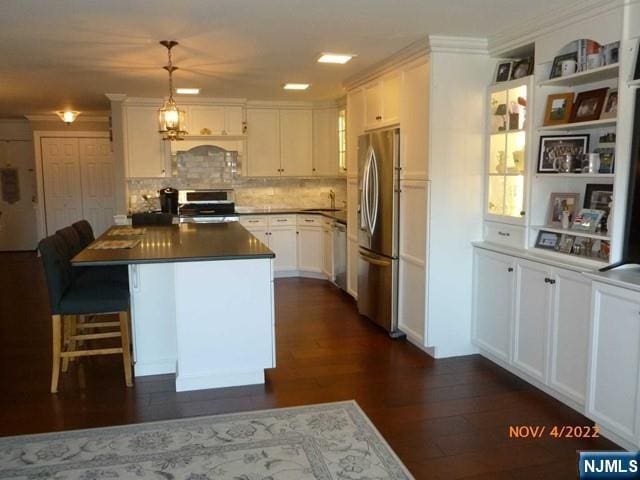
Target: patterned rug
(326, 441)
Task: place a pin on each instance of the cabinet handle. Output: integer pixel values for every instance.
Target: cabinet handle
(253, 221)
(281, 220)
(309, 220)
(510, 269)
(379, 117)
(549, 280)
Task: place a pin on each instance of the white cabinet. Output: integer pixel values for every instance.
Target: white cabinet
(327, 249)
(355, 128)
(296, 146)
(263, 142)
(382, 101)
(146, 154)
(310, 244)
(278, 232)
(531, 318)
(325, 142)
(613, 392)
(215, 119)
(493, 302)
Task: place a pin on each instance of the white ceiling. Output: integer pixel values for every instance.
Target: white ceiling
(68, 53)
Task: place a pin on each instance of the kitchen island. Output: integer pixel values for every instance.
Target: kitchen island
(201, 302)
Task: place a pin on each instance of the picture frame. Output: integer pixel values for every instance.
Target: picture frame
(559, 202)
(565, 245)
(597, 196)
(607, 159)
(588, 105)
(547, 240)
(587, 220)
(522, 68)
(558, 110)
(556, 67)
(610, 107)
(552, 147)
(503, 71)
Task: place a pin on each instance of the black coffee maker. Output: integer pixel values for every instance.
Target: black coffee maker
(169, 200)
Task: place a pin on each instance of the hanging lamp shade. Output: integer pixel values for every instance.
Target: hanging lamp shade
(170, 117)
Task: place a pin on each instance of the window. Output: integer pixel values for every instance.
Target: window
(342, 140)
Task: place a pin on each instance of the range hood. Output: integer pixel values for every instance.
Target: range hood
(188, 144)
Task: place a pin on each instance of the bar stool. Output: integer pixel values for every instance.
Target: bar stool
(71, 296)
(150, 218)
(85, 232)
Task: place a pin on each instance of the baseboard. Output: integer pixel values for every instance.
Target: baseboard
(300, 274)
(218, 380)
(155, 368)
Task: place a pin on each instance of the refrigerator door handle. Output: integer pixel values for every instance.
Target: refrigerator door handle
(373, 260)
(366, 178)
(373, 217)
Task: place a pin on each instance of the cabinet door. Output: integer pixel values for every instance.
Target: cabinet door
(414, 114)
(612, 398)
(391, 99)
(493, 292)
(296, 133)
(261, 233)
(355, 128)
(373, 105)
(325, 142)
(310, 252)
(282, 241)
(205, 120)
(531, 318)
(147, 155)
(263, 143)
(233, 120)
(569, 336)
(327, 249)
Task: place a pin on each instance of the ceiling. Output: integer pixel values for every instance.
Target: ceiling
(68, 53)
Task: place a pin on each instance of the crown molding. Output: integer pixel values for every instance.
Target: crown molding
(116, 97)
(527, 31)
(52, 117)
(467, 45)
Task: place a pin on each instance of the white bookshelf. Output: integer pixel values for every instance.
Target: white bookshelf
(567, 127)
(599, 74)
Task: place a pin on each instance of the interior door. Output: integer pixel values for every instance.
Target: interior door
(97, 177)
(18, 229)
(62, 182)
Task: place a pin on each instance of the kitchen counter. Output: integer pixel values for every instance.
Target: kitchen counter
(187, 242)
(338, 215)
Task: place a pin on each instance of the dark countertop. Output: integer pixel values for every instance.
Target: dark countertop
(339, 215)
(187, 242)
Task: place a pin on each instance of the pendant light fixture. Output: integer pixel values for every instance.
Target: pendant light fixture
(68, 116)
(170, 117)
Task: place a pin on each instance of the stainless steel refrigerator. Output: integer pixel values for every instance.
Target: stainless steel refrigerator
(378, 222)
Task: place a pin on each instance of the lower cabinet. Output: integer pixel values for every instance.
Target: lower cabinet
(310, 251)
(327, 250)
(614, 391)
(282, 240)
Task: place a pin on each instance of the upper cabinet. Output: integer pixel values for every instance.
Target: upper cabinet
(296, 145)
(325, 142)
(146, 154)
(382, 102)
(355, 127)
(215, 120)
(263, 142)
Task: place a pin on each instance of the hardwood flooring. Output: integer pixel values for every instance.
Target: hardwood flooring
(446, 419)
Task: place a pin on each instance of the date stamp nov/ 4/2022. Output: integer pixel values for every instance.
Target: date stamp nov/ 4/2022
(553, 431)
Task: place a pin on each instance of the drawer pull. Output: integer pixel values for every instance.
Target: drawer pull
(379, 117)
(504, 234)
(309, 220)
(281, 220)
(549, 280)
(253, 221)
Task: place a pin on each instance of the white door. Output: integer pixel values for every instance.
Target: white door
(97, 176)
(263, 143)
(493, 293)
(62, 182)
(569, 336)
(531, 318)
(325, 142)
(310, 253)
(296, 145)
(282, 241)
(614, 366)
(18, 229)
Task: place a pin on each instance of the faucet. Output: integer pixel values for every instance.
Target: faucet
(332, 197)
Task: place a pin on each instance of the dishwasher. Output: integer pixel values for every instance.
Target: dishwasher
(340, 255)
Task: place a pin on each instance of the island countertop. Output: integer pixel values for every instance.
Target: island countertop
(187, 242)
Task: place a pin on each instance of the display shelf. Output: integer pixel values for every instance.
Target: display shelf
(520, 174)
(602, 123)
(592, 262)
(607, 72)
(590, 176)
(634, 83)
(514, 130)
(575, 233)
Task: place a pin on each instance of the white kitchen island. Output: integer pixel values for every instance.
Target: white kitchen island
(201, 303)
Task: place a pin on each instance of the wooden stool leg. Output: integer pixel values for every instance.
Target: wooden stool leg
(126, 352)
(70, 330)
(56, 323)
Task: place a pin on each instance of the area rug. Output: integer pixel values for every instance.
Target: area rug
(326, 441)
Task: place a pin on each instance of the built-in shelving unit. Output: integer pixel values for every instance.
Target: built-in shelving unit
(589, 76)
(568, 231)
(606, 122)
(581, 176)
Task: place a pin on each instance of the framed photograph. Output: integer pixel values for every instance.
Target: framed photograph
(558, 108)
(547, 240)
(588, 105)
(610, 108)
(522, 68)
(607, 159)
(598, 196)
(556, 68)
(558, 203)
(565, 245)
(503, 71)
(611, 53)
(587, 220)
(554, 147)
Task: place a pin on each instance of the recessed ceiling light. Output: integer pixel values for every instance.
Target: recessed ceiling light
(296, 86)
(187, 91)
(341, 58)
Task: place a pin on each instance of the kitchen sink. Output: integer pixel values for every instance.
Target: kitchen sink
(321, 209)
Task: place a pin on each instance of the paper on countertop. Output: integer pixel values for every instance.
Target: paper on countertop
(113, 244)
(126, 231)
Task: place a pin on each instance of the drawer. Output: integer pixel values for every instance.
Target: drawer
(503, 234)
(253, 221)
(310, 220)
(281, 220)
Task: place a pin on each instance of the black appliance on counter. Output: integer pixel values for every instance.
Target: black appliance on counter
(169, 200)
(207, 206)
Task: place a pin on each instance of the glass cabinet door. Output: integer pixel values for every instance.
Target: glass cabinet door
(506, 153)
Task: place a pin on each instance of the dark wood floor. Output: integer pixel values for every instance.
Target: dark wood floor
(445, 418)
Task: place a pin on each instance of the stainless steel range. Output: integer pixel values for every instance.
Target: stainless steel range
(207, 206)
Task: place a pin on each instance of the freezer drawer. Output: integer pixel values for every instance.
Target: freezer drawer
(377, 289)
